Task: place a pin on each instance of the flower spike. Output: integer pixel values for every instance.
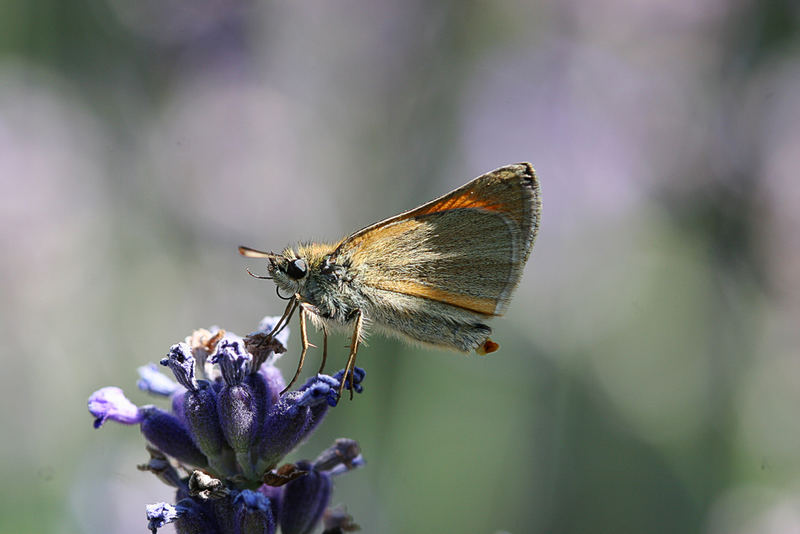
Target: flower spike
(229, 427)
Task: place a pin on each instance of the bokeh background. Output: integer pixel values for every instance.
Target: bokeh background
(649, 378)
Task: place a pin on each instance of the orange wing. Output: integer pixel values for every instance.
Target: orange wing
(466, 249)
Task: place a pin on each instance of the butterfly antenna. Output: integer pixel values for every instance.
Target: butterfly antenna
(257, 276)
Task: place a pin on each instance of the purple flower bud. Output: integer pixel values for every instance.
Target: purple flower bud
(288, 421)
(181, 361)
(237, 406)
(225, 513)
(274, 380)
(202, 419)
(178, 399)
(237, 415)
(358, 376)
(111, 403)
(318, 412)
(189, 516)
(304, 501)
(261, 395)
(253, 513)
(317, 390)
(152, 381)
(230, 337)
(197, 518)
(273, 493)
(233, 360)
(162, 513)
(167, 433)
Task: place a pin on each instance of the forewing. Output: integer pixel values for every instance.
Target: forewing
(466, 249)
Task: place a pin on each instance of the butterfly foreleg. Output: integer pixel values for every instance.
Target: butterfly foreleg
(351, 360)
(305, 345)
(324, 348)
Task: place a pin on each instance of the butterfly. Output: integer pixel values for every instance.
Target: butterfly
(431, 275)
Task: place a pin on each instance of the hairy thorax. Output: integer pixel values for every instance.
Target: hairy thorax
(331, 289)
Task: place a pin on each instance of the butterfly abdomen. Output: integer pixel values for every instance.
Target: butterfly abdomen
(435, 323)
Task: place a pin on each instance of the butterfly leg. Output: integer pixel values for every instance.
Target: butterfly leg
(351, 361)
(285, 318)
(305, 344)
(324, 348)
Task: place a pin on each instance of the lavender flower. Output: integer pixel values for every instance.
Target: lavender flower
(229, 428)
(304, 500)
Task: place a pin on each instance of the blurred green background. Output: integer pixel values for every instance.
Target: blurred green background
(649, 377)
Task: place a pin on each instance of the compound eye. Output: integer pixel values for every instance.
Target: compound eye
(296, 269)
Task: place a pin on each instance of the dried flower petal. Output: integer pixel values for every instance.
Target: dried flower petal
(338, 521)
(203, 343)
(160, 466)
(283, 475)
(343, 452)
(268, 323)
(206, 487)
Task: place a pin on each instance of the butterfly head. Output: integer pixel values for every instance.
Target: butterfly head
(288, 271)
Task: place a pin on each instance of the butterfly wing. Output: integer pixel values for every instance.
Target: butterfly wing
(466, 249)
